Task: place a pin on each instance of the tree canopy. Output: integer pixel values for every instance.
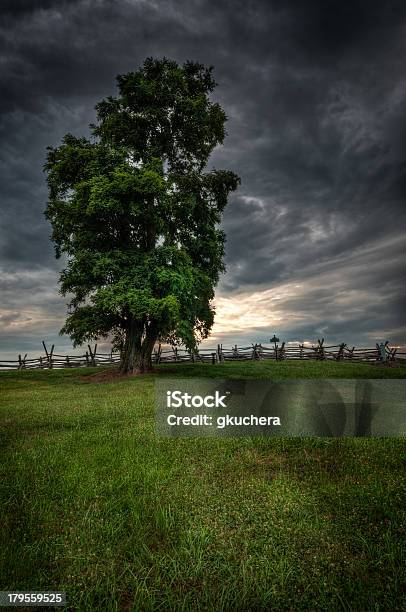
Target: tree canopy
(136, 215)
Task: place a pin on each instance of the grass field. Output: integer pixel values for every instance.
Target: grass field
(95, 504)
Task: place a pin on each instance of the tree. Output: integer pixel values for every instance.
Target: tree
(136, 216)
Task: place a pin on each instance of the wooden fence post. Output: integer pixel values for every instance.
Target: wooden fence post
(392, 354)
(92, 355)
(46, 351)
(48, 354)
(320, 349)
(20, 362)
(254, 352)
(340, 354)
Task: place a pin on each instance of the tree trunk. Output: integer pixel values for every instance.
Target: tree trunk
(143, 360)
(132, 347)
(137, 353)
(141, 335)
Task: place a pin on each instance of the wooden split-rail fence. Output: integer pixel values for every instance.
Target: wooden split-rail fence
(50, 360)
(383, 353)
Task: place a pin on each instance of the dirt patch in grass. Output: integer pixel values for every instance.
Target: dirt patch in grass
(105, 376)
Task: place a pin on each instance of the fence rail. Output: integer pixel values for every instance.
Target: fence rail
(381, 353)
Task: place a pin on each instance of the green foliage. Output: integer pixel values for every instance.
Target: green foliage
(135, 214)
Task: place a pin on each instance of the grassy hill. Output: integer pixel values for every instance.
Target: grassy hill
(95, 504)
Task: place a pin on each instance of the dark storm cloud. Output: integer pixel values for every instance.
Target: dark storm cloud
(316, 99)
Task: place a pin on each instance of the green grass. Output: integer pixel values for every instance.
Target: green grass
(281, 369)
(94, 503)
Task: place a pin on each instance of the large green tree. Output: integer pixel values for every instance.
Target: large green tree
(136, 215)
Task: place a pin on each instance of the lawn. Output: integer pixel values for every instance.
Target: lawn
(95, 504)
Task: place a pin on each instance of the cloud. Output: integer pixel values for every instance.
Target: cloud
(329, 298)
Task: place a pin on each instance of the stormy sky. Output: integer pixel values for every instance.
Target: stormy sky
(315, 93)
